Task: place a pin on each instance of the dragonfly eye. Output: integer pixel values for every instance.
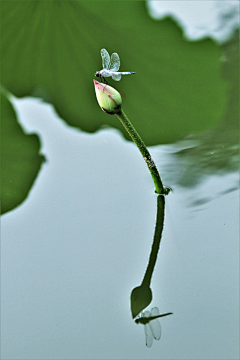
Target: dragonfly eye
(96, 74)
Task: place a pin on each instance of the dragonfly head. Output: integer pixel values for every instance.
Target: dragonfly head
(97, 74)
(137, 321)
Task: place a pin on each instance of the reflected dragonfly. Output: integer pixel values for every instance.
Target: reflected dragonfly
(151, 324)
(111, 67)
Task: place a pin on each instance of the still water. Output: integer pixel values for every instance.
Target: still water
(80, 242)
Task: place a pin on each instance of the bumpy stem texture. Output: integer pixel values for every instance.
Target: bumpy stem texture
(144, 151)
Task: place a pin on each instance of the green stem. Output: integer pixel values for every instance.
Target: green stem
(144, 151)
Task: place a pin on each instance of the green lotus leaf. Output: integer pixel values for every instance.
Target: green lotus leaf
(51, 49)
(20, 159)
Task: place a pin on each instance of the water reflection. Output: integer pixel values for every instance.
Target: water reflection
(215, 151)
(152, 327)
(141, 296)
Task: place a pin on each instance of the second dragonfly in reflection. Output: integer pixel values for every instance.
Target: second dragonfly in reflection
(151, 324)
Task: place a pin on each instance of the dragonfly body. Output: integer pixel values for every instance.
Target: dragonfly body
(111, 66)
(108, 73)
(145, 320)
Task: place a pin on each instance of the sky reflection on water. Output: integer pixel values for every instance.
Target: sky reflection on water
(81, 240)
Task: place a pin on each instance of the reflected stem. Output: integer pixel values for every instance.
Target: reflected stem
(143, 150)
(156, 241)
(141, 296)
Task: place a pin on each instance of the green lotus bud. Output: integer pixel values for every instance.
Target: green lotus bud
(108, 98)
(141, 297)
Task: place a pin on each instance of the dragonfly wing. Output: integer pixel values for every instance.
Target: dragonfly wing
(147, 330)
(115, 62)
(146, 314)
(117, 77)
(149, 335)
(105, 59)
(155, 324)
(155, 312)
(155, 328)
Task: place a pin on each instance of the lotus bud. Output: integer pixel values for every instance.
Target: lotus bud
(108, 98)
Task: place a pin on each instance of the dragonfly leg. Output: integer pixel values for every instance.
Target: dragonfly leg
(102, 79)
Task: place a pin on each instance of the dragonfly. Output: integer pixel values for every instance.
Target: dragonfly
(151, 324)
(111, 66)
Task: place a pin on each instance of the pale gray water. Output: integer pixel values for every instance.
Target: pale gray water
(73, 251)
